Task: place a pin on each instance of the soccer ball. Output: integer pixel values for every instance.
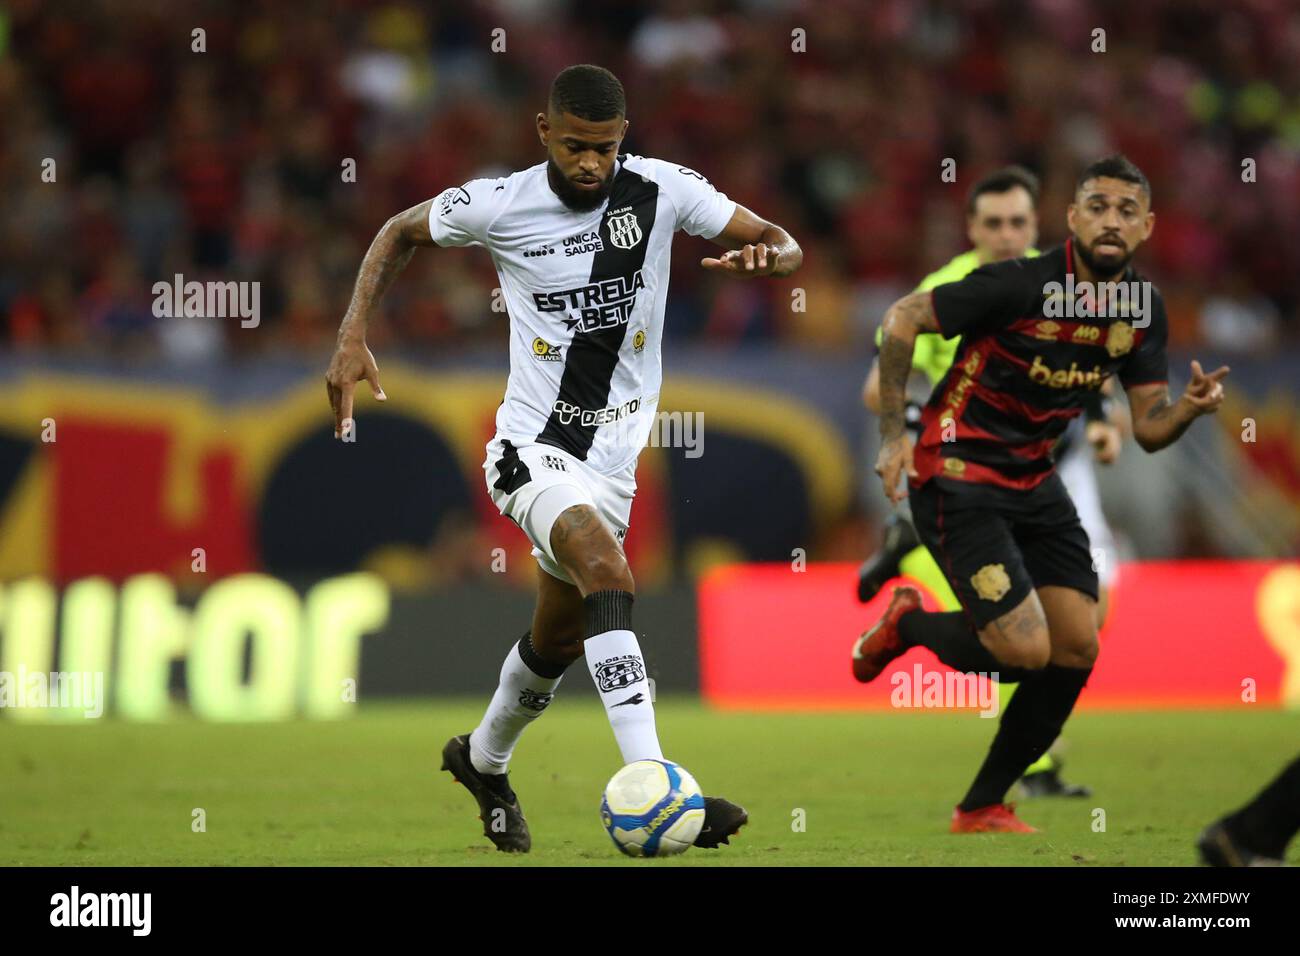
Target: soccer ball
(652, 808)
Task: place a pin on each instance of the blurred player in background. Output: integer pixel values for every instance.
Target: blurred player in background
(1001, 223)
(581, 245)
(988, 503)
(1257, 834)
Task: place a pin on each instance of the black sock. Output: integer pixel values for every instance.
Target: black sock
(536, 663)
(608, 611)
(1267, 824)
(1031, 722)
(954, 642)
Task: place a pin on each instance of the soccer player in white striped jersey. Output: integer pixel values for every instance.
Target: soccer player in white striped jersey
(581, 244)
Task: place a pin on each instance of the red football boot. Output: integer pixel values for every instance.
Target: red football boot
(877, 647)
(997, 818)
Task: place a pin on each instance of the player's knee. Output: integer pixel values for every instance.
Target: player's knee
(1029, 655)
(1088, 653)
(603, 569)
(1081, 651)
(1020, 637)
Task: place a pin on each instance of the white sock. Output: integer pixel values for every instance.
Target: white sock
(618, 671)
(520, 698)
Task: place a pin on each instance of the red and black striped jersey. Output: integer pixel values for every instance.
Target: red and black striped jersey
(1034, 348)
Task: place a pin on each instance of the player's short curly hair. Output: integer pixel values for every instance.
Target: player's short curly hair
(588, 92)
(1115, 166)
(1003, 181)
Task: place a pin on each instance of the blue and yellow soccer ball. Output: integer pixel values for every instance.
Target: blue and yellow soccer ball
(652, 808)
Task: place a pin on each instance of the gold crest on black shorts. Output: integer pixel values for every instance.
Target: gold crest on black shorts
(991, 582)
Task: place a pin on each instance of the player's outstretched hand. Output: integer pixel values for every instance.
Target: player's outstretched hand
(894, 460)
(1105, 440)
(351, 363)
(759, 260)
(1205, 392)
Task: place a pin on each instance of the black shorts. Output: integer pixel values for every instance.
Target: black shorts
(996, 544)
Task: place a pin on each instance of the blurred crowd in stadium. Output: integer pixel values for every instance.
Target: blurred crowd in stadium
(229, 163)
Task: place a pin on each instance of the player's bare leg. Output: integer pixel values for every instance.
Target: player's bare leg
(1020, 638)
(588, 551)
(1072, 623)
(559, 620)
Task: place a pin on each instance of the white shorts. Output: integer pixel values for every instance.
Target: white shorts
(1076, 471)
(534, 484)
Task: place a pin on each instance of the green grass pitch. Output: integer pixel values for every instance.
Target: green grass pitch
(873, 788)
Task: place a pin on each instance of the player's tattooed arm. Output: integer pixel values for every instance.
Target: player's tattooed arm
(905, 319)
(1158, 422)
(387, 256)
(758, 247)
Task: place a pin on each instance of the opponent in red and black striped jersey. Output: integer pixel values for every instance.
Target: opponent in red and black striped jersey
(1021, 374)
(983, 492)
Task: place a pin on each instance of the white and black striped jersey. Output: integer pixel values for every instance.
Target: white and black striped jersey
(585, 292)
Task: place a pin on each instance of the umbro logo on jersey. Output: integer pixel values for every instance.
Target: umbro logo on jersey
(567, 412)
(554, 463)
(544, 351)
(624, 230)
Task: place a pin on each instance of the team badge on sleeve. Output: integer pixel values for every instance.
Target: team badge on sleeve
(1120, 339)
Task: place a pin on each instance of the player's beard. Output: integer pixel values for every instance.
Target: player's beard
(1102, 267)
(579, 200)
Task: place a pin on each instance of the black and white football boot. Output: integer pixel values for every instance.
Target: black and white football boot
(722, 820)
(503, 819)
